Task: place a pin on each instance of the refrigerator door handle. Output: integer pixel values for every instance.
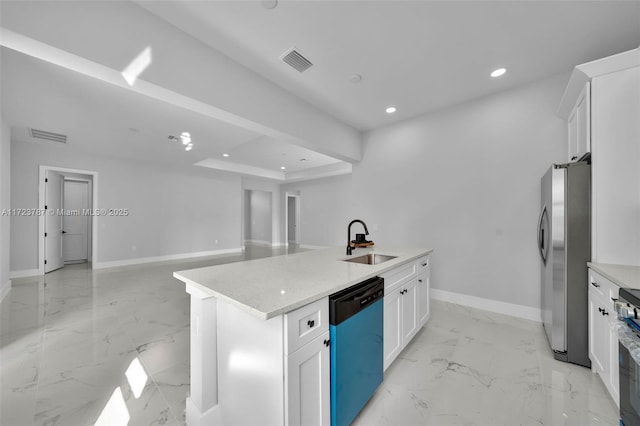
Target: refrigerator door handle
(542, 248)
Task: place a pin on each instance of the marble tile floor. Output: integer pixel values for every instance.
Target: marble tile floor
(78, 346)
(473, 367)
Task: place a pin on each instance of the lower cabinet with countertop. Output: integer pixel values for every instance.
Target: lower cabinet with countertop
(406, 306)
(603, 335)
(605, 281)
(306, 374)
(260, 347)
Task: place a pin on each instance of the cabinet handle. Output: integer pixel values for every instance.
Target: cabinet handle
(311, 323)
(600, 310)
(613, 299)
(596, 285)
(575, 157)
(425, 264)
(327, 342)
(605, 312)
(419, 281)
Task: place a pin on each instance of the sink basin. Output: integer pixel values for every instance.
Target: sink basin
(370, 259)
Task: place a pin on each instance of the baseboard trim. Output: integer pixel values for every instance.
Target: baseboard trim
(181, 256)
(24, 273)
(197, 418)
(519, 311)
(5, 290)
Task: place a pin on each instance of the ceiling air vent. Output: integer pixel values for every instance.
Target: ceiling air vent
(296, 60)
(48, 136)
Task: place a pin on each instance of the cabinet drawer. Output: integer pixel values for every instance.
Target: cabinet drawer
(606, 290)
(305, 324)
(423, 264)
(398, 275)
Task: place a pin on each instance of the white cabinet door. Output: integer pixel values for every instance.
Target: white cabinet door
(572, 136)
(307, 384)
(583, 112)
(579, 125)
(603, 334)
(424, 310)
(392, 326)
(409, 310)
(598, 336)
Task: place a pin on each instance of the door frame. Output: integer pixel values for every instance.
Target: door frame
(286, 217)
(41, 200)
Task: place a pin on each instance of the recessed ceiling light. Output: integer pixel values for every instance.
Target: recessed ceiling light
(498, 72)
(225, 155)
(390, 109)
(355, 78)
(303, 159)
(269, 4)
(282, 168)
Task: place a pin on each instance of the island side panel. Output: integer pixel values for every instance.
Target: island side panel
(250, 367)
(203, 398)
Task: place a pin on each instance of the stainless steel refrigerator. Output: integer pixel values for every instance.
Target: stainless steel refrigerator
(564, 243)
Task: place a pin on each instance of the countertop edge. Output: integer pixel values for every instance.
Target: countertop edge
(605, 269)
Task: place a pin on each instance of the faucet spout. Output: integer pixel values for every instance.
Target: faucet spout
(366, 231)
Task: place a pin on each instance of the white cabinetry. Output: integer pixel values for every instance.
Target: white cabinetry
(307, 373)
(423, 289)
(392, 331)
(307, 384)
(602, 106)
(603, 335)
(409, 297)
(579, 125)
(406, 306)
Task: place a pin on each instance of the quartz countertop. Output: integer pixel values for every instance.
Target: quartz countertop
(276, 285)
(624, 276)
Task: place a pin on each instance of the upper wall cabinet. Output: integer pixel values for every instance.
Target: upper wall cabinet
(601, 105)
(579, 125)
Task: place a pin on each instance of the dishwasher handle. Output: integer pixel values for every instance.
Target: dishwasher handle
(346, 303)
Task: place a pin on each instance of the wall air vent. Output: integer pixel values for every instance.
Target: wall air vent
(48, 136)
(296, 60)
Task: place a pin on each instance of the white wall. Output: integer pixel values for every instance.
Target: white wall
(325, 206)
(5, 203)
(172, 212)
(464, 181)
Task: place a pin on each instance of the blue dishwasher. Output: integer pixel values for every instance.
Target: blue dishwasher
(355, 327)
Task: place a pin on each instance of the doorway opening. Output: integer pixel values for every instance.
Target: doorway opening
(292, 220)
(67, 229)
(258, 218)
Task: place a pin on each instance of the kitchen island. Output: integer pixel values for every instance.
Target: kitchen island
(259, 331)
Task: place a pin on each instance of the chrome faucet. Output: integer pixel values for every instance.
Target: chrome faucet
(366, 231)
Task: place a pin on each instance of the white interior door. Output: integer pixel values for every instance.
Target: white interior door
(75, 241)
(53, 222)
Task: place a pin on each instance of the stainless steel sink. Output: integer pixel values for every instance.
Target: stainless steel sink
(370, 259)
